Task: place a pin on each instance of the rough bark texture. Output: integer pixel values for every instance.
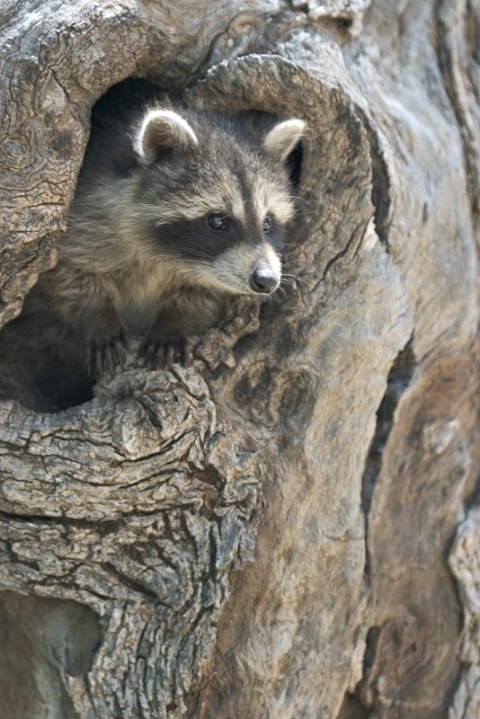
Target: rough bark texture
(265, 534)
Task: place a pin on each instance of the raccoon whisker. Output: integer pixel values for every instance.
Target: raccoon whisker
(302, 208)
(280, 288)
(286, 277)
(291, 279)
(280, 294)
(287, 285)
(297, 198)
(286, 256)
(291, 246)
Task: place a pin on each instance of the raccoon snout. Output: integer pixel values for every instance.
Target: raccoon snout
(264, 280)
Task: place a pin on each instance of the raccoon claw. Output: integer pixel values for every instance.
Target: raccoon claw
(164, 354)
(104, 356)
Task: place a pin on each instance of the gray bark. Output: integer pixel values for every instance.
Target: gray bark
(265, 534)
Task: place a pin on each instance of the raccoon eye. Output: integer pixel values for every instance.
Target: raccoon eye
(217, 223)
(267, 224)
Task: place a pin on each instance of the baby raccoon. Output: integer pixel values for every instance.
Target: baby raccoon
(174, 210)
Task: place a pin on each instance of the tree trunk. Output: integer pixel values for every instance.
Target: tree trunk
(288, 528)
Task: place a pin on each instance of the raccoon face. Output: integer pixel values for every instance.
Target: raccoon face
(218, 250)
(215, 206)
(266, 268)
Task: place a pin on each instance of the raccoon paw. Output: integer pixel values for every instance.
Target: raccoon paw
(105, 352)
(164, 353)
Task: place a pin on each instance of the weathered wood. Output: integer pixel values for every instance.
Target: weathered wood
(263, 534)
(464, 563)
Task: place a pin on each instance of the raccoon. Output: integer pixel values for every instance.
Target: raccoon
(174, 210)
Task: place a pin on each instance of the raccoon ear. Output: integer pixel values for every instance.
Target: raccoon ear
(281, 139)
(162, 132)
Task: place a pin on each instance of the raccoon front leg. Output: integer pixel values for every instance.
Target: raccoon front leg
(84, 304)
(165, 345)
(104, 340)
(189, 312)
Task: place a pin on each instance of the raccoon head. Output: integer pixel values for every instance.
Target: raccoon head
(214, 203)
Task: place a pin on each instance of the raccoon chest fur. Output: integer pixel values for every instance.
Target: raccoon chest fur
(144, 296)
(140, 295)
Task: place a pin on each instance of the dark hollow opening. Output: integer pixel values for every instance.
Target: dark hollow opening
(41, 363)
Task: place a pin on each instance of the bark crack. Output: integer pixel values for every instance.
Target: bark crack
(358, 704)
(398, 381)
(457, 28)
(381, 181)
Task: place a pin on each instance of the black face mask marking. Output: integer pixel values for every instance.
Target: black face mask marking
(196, 241)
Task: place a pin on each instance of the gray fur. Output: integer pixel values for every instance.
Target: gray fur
(157, 173)
(163, 128)
(282, 138)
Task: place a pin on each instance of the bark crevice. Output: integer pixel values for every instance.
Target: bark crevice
(381, 181)
(398, 381)
(457, 30)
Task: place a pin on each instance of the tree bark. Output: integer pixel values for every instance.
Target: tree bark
(287, 529)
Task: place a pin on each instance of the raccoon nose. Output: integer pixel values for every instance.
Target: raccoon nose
(263, 280)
